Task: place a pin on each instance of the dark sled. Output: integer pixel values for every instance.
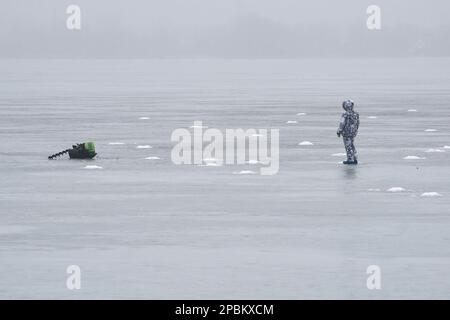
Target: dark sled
(78, 151)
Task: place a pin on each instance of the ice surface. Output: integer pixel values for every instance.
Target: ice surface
(291, 122)
(306, 143)
(144, 147)
(152, 229)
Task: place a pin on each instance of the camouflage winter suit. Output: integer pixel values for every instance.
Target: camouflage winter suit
(348, 128)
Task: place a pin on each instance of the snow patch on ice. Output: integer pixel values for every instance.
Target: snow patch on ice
(396, 189)
(144, 147)
(339, 155)
(413, 158)
(306, 143)
(152, 158)
(446, 147)
(144, 118)
(116, 143)
(374, 190)
(291, 122)
(245, 172)
(435, 151)
(412, 110)
(212, 164)
(372, 117)
(198, 127)
(301, 114)
(431, 194)
(431, 130)
(253, 162)
(93, 167)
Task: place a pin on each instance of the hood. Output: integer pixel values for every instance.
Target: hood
(348, 105)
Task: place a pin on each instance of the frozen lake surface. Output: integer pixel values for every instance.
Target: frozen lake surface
(141, 227)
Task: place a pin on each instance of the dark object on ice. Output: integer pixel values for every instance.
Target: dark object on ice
(348, 129)
(78, 151)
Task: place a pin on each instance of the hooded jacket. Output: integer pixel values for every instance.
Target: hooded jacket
(349, 124)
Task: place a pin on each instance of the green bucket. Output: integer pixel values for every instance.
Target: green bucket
(90, 148)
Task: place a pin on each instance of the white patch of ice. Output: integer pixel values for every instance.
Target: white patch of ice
(431, 130)
(301, 114)
(339, 155)
(413, 158)
(396, 189)
(116, 143)
(144, 147)
(412, 110)
(431, 194)
(291, 122)
(374, 190)
(198, 127)
(144, 118)
(306, 143)
(210, 162)
(372, 117)
(253, 162)
(435, 151)
(152, 158)
(446, 147)
(245, 172)
(213, 164)
(93, 167)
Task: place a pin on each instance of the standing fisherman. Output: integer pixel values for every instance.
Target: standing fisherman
(348, 129)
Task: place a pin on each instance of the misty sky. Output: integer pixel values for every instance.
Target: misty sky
(223, 28)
